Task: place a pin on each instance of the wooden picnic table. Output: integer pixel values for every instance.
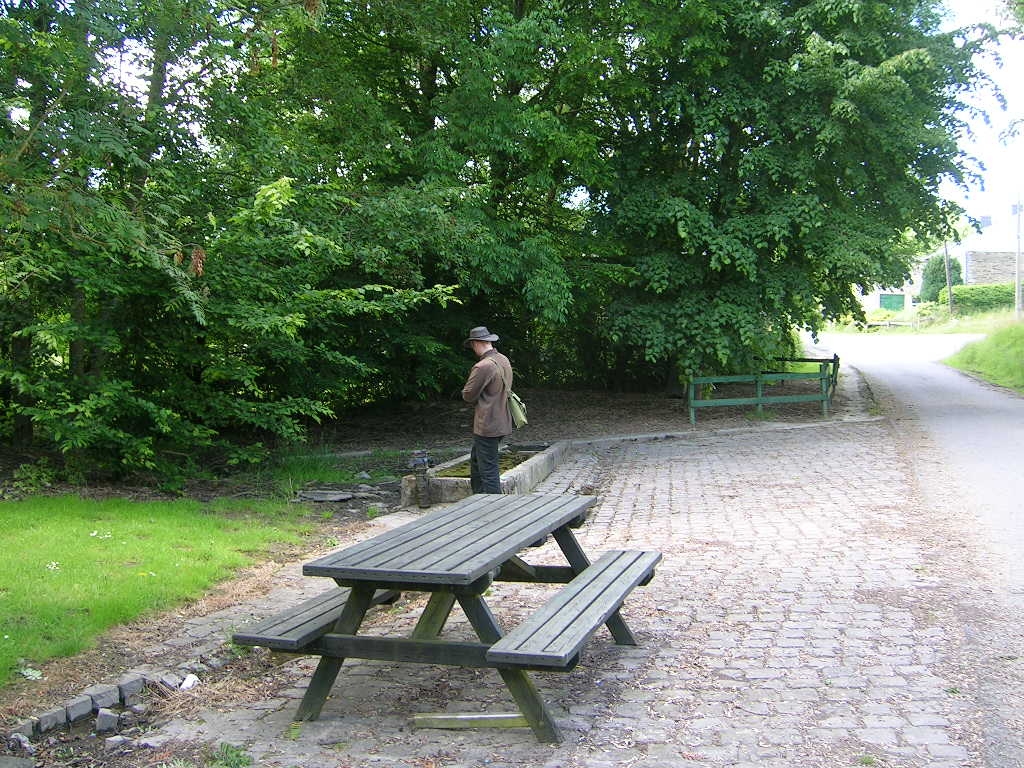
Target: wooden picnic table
(455, 553)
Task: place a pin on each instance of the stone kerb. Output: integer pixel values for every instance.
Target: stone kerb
(98, 700)
(521, 478)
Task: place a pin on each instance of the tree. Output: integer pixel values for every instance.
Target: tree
(135, 344)
(293, 208)
(1016, 8)
(933, 276)
(766, 158)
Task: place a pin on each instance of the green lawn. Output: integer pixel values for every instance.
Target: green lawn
(75, 567)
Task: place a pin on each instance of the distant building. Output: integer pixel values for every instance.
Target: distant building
(990, 256)
(895, 299)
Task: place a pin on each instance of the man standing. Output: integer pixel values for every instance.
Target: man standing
(487, 388)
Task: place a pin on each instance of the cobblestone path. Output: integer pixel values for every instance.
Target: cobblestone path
(808, 613)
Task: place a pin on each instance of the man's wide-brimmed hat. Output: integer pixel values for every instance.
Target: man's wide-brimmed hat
(480, 333)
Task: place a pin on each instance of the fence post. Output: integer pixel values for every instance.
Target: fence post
(693, 395)
(760, 394)
(823, 372)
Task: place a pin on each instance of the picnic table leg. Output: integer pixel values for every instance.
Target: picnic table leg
(579, 562)
(434, 616)
(359, 600)
(516, 680)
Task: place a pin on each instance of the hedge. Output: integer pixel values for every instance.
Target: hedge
(975, 299)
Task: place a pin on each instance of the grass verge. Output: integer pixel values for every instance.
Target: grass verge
(72, 567)
(998, 358)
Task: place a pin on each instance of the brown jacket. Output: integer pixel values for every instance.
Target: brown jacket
(486, 389)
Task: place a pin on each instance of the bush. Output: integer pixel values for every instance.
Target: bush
(974, 299)
(931, 312)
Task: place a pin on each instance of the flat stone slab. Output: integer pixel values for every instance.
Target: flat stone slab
(317, 495)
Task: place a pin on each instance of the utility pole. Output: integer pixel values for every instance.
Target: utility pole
(1016, 269)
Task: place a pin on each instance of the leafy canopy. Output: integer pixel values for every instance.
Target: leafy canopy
(221, 224)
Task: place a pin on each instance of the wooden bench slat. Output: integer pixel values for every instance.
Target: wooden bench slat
(553, 635)
(297, 627)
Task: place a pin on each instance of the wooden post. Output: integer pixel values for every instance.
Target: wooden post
(823, 372)
(531, 705)
(949, 279)
(358, 603)
(434, 616)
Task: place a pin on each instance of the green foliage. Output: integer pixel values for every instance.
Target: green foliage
(998, 358)
(933, 277)
(975, 299)
(229, 756)
(31, 478)
(289, 210)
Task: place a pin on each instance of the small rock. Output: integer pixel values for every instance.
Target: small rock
(26, 727)
(54, 718)
(132, 683)
(154, 740)
(21, 740)
(170, 680)
(315, 495)
(190, 682)
(17, 762)
(115, 742)
(194, 665)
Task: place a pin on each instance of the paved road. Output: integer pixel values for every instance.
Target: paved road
(977, 429)
(966, 439)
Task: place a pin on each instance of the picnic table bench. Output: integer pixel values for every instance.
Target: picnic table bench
(455, 554)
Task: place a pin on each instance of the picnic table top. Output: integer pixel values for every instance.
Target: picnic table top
(455, 545)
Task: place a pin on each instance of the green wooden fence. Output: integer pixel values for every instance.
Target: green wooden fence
(827, 376)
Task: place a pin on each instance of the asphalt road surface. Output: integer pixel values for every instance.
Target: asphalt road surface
(966, 440)
(976, 428)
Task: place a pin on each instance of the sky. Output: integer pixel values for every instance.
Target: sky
(1003, 179)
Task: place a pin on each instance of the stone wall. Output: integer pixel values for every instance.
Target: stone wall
(985, 267)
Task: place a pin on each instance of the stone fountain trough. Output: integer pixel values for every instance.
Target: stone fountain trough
(522, 478)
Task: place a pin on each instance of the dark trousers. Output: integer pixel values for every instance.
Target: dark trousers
(484, 475)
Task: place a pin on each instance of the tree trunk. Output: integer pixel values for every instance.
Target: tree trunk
(76, 351)
(21, 360)
(155, 97)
